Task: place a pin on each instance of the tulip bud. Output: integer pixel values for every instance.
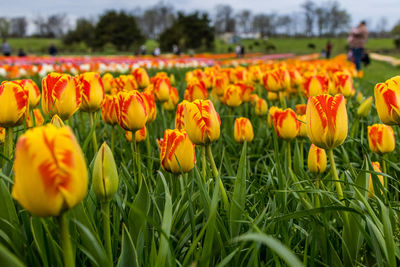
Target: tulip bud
(202, 122)
(140, 135)
(271, 81)
(105, 175)
(316, 159)
(286, 124)
(110, 109)
(177, 151)
(271, 113)
(316, 85)
(261, 107)
(326, 119)
(377, 168)
(50, 171)
(365, 107)
(57, 121)
(141, 77)
(246, 91)
(381, 138)
(272, 96)
(125, 83)
(39, 120)
(233, 96)
(221, 81)
(161, 89)
(150, 104)
(180, 115)
(343, 83)
(33, 91)
(300, 109)
(108, 82)
(359, 97)
(243, 130)
(196, 89)
(14, 103)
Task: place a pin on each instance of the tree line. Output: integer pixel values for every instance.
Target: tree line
(126, 30)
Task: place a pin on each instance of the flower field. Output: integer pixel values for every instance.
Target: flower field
(197, 161)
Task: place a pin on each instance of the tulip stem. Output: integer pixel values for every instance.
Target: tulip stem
(65, 240)
(289, 156)
(317, 202)
(138, 165)
(302, 151)
(282, 99)
(385, 179)
(8, 145)
(203, 164)
(105, 210)
(335, 175)
(133, 146)
(112, 138)
(148, 148)
(215, 173)
(33, 119)
(92, 116)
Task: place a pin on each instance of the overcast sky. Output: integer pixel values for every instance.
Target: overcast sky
(370, 10)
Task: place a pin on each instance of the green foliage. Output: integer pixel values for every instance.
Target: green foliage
(84, 32)
(191, 31)
(119, 29)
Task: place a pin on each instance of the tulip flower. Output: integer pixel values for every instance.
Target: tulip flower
(303, 127)
(233, 96)
(61, 96)
(202, 122)
(381, 138)
(50, 171)
(359, 97)
(243, 130)
(161, 89)
(271, 113)
(343, 84)
(261, 107)
(105, 185)
(196, 89)
(110, 109)
(295, 78)
(316, 159)
(57, 121)
(221, 81)
(125, 83)
(150, 106)
(284, 77)
(38, 119)
(180, 115)
(132, 110)
(92, 91)
(140, 135)
(365, 107)
(326, 119)
(300, 109)
(271, 81)
(14, 103)
(246, 91)
(316, 85)
(327, 127)
(141, 77)
(177, 152)
(387, 101)
(172, 101)
(377, 168)
(272, 96)
(33, 91)
(286, 124)
(108, 82)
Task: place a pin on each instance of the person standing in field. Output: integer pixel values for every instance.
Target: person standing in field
(6, 48)
(357, 39)
(328, 49)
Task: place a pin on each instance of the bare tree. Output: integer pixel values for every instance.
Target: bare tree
(283, 24)
(381, 26)
(265, 24)
(156, 19)
(18, 27)
(4, 27)
(224, 20)
(52, 26)
(321, 14)
(244, 20)
(337, 19)
(309, 15)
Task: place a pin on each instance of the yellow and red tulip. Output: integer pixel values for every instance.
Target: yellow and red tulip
(243, 130)
(60, 95)
(177, 152)
(173, 100)
(39, 120)
(108, 82)
(387, 101)
(180, 115)
(14, 104)
(326, 119)
(316, 85)
(196, 89)
(151, 109)
(202, 122)
(110, 109)
(132, 110)
(161, 88)
(233, 95)
(140, 135)
(261, 107)
(381, 138)
(125, 83)
(141, 77)
(300, 109)
(377, 168)
(286, 124)
(92, 91)
(316, 159)
(50, 171)
(271, 81)
(33, 91)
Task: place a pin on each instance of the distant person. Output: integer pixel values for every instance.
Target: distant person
(156, 51)
(176, 50)
(6, 48)
(21, 53)
(238, 50)
(242, 51)
(328, 49)
(357, 39)
(53, 50)
(143, 50)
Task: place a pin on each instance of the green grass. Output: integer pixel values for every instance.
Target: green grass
(277, 217)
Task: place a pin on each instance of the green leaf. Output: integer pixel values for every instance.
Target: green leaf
(275, 245)
(239, 195)
(8, 259)
(128, 257)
